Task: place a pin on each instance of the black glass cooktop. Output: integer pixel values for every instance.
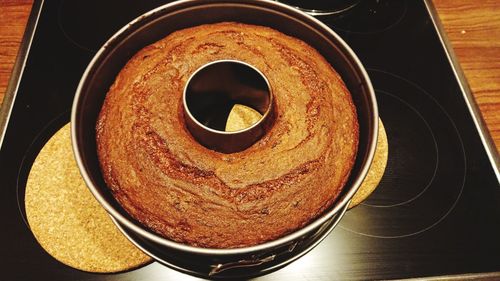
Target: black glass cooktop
(436, 211)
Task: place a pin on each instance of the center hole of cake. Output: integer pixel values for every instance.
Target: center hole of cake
(228, 96)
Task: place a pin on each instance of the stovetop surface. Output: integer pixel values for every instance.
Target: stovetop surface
(435, 212)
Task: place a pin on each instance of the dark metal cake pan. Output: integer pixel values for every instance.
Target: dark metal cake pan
(155, 25)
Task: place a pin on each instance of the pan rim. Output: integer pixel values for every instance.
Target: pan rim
(176, 7)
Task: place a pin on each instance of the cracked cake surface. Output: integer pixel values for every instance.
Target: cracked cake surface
(188, 193)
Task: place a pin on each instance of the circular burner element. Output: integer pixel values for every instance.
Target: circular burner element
(414, 154)
(88, 24)
(425, 172)
(370, 16)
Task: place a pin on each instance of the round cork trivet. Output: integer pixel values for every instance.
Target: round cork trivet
(67, 220)
(241, 117)
(376, 170)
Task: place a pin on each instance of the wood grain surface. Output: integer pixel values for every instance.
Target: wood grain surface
(473, 28)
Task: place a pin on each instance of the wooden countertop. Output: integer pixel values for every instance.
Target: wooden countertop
(473, 28)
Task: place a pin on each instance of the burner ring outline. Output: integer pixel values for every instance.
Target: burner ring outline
(464, 166)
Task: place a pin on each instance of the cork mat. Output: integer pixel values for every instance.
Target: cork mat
(241, 117)
(66, 219)
(376, 170)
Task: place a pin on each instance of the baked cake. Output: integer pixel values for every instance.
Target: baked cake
(188, 193)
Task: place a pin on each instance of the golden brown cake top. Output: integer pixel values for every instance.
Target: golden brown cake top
(193, 195)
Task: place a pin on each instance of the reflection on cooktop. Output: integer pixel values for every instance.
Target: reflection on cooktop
(370, 16)
(322, 7)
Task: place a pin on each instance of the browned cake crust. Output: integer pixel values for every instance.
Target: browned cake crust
(193, 195)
